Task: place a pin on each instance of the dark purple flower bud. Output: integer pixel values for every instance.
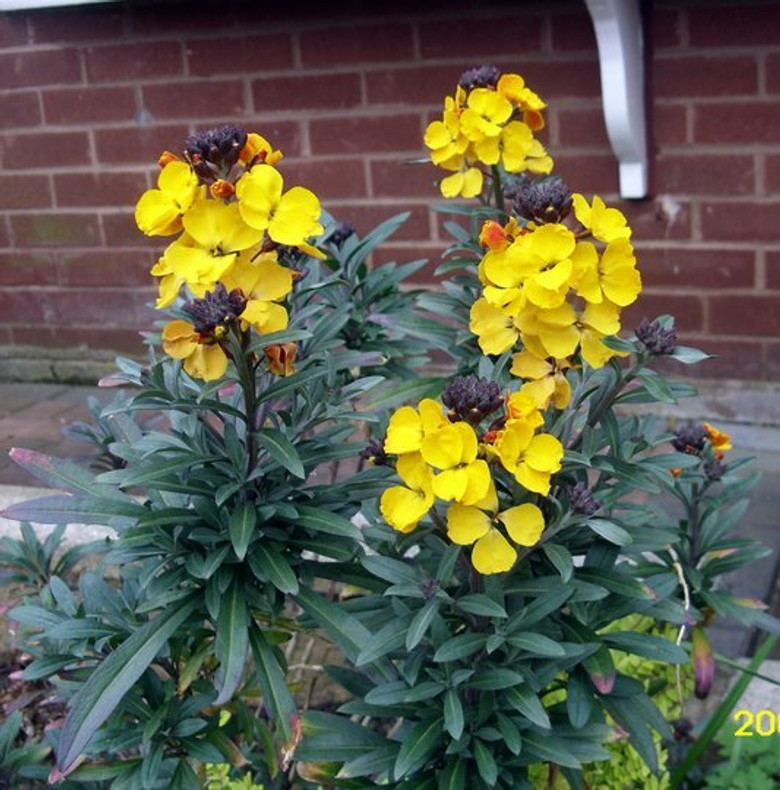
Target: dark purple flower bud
(690, 439)
(374, 452)
(539, 199)
(480, 77)
(341, 233)
(581, 500)
(714, 469)
(212, 153)
(471, 399)
(216, 311)
(657, 340)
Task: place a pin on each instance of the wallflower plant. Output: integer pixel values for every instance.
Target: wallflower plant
(496, 575)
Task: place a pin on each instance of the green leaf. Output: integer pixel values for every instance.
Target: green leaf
(481, 605)
(96, 700)
(649, 646)
(151, 471)
(548, 749)
(601, 670)
(276, 567)
(327, 737)
(459, 647)
(537, 643)
(242, 525)
(453, 714)
(388, 638)
(276, 693)
(420, 623)
(510, 733)
(560, 557)
(609, 531)
(322, 520)
(656, 385)
(579, 699)
(495, 679)
(396, 394)
(418, 747)
(453, 777)
(232, 642)
(525, 701)
(281, 449)
(67, 509)
(276, 338)
(46, 666)
(486, 764)
(393, 571)
(689, 356)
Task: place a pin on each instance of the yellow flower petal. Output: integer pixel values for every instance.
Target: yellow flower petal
(296, 217)
(478, 485)
(544, 453)
(404, 433)
(466, 524)
(443, 448)
(451, 484)
(413, 470)
(493, 554)
(207, 362)
(403, 508)
(179, 339)
(524, 523)
(527, 366)
(532, 479)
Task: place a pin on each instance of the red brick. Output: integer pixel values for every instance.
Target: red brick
(773, 361)
(669, 124)
(665, 28)
(577, 79)
(19, 110)
(744, 315)
(87, 105)
(738, 25)
(572, 31)
(196, 99)
(21, 305)
(582, 127)
(415, 85)
(705, 174)
(13, 30)
(39, 67)
(120, 230)
(688, 311)
(589, 172)
(734, 359)
(393, 178)
(55, 230)
(100, 306)
(773, 73)
(28, 191)
(773, 269)
(5, 236)
(468, 38)
(125, 341)
(138, 144)
(363, 44)
(314, 92)
(738, 221)
(366, 134)
(126, 62)
(23, 268)
(651, 219)
(328, 178)
(44, 149)
(366, 216)
(77, 24)
(704, 76)
(106, 268)
(244, 55)
(99, 189)
(697, 268)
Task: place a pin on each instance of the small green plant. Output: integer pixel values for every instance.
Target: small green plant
(747, 763)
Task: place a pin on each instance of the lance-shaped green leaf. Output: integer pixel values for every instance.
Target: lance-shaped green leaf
(390, 637)
(525, 701)
(98, 697)
(276, 693)
(232, 642)
(267, 562)
(579, 699)
(610, 531)
(282, 450)
(453, 714)
(539, 644)
(66, 509)
(242, 525)
(420, 623)
(152, 471)
(321, 520)
(656, 648)
(417, 747)
(601, 670)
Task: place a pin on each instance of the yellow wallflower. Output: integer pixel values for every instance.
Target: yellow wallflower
(465, 183)
(258, 149)
(720, 441)
(203, 357)
(289, 217)
(513, 87)
(532, 459)
(408, 426)
(402, 507)
(494, 327)
(159, 211)
(606, 224)
(492, 552)
(485, 113)
(613, 276)
(547, 383)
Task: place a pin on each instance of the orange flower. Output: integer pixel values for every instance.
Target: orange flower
(720, 441)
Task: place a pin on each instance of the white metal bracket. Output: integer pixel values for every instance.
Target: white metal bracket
(618, 26)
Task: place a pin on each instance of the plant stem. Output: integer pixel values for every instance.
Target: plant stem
(498, 191)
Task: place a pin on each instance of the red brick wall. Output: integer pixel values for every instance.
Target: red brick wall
(92, 95)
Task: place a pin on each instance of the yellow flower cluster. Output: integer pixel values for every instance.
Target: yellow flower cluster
(227, 202)
(439, 458)
(491, 124)
(534, 280)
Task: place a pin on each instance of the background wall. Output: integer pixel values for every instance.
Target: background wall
(91, 96)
